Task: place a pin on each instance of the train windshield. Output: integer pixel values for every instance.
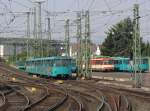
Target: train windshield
(73, 62)
(62, 62)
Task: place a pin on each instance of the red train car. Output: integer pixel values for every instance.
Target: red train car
(102, 64)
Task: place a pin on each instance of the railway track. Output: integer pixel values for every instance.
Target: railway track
(45, 102)
(93, 96)
(2, 100)
(111, 101)
(16, 101)
(71, 95)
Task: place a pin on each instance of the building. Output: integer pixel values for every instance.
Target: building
(1, 50)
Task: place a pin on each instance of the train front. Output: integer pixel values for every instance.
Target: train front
(61, 68)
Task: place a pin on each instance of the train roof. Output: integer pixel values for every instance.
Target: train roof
(102, 58)
(49, 58)
(120, 58)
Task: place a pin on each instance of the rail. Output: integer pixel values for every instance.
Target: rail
(3, 99)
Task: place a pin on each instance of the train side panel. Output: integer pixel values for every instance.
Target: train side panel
(48, 66)
(102, 64)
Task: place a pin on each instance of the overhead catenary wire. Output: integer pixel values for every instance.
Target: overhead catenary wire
(95, 15)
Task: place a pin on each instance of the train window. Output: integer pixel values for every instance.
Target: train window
(145, 61)
(98, 62)
(111, 62)
(50, 62)
(62, 62)
(73, 62)
(37, 63)
(119, 62)
(93, 61)
(138, 61)
(105, 62)
(30, 63)
(33, 62)
(126, 61)
(27, 63)
(115, 61)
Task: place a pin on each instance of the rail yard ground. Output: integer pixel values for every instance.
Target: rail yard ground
(122, 77)
(21, 92)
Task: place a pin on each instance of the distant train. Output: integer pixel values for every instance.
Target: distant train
(119, 64)
(73, 66)
(122, 64)
(21, 65)
(102, 64)
(48, 66)
(65, 66)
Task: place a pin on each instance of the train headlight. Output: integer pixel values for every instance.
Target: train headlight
(33, 89)
(14, 79)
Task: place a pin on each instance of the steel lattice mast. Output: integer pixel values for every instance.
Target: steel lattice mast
(87, 47)
(49, 37)
(28, 34)
(79, 45)
(137, 48)
(67, 39)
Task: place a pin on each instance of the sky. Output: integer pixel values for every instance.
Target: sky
(103, 14)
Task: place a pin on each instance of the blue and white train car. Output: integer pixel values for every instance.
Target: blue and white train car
(50, 66)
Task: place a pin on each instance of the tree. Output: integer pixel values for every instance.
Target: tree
(146, 49)
(23, 55)
(119, 39)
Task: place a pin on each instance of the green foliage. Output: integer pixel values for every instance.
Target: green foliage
(34, 54)
(146, 49)
(119, 41)
(20, 57)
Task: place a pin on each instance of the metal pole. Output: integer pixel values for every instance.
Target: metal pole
(67, 39)
(79, 46)
(40, 29)
(137, 49)
(49, 37)
(28, 34)
(35, 34)
(87, 52)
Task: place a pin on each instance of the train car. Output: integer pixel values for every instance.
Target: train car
(144, 65)
(146, 61)
(122, 64)
(20, 65)
(73, 66)
(49, 66)
(102, 64)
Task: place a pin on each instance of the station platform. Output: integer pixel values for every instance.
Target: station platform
(121, 79)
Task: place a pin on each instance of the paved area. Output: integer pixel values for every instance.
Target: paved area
(118, 76)
(146, 79)
(122, 79)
